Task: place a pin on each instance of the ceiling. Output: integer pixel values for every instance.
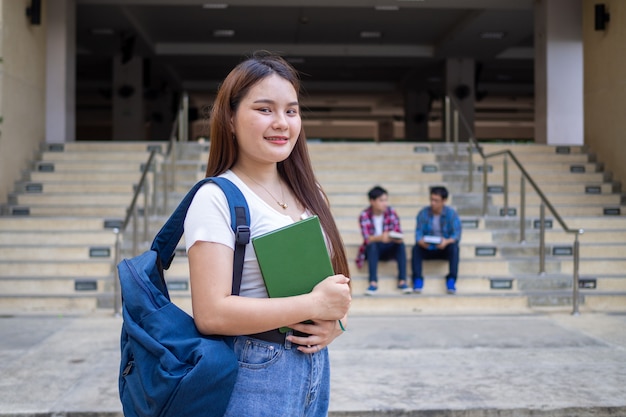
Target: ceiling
(337, 45)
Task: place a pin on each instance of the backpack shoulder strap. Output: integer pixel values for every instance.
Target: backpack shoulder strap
(167, 239)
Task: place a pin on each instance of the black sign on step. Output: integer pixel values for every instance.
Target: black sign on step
(562, 251)
(547, 224)
(56, 147)
(421, 149)
(612, 211)
(563, 149)
(485, 251)
(34, 187)
(85, 285)
(501, 284)
(588, 283)
(470, 223)
(512, 211)
(100, 252)
(113, 224)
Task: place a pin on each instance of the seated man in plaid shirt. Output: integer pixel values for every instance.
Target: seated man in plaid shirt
(382, 239)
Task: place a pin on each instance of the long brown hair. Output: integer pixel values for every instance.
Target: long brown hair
(296, 171)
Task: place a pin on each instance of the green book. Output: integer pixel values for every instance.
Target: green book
(293, 259)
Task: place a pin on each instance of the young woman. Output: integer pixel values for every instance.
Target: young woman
(258, 143)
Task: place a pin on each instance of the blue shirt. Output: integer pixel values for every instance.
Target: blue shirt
(450, 224)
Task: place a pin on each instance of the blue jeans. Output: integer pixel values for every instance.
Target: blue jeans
(379, 251)
(450, 253)
(278, 380)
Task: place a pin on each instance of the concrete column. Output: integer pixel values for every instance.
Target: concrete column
(128, 106)
(460, 82)
(61, 72)
(559, 111)
(416, 109)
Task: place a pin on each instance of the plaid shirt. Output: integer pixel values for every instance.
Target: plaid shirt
(391, 222)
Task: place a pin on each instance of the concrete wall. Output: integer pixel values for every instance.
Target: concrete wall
(22, 90)
(605, 86)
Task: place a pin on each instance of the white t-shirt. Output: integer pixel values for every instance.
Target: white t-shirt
(378, 224)
(208, 219)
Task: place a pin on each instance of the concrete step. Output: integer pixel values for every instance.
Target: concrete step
(532, 211)
(536, 168)
(103, 211)
(79, 166)
(395, 188)
(68, 269)
(533, 199)
(89, 177)
(60, 303)
(542, 177)
(46, 238)
(76, 187)
(470, 236)
(97, 156)
(375, 177)
(330, 159)
(558, 237)
(421, 200)
(106, 146)
(68, 223)
(55, 285)
(56, 252)
(497, 266)
(73, 199)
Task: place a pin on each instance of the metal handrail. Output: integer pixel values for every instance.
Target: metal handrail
(452, 104)
(131, 213)
(180, 125)
(179, 133)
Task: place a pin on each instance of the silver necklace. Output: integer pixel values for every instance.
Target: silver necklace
(284, 204)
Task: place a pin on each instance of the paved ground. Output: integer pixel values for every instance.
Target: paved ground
(419, 365)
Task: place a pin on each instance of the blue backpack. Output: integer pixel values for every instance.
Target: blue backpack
(167, 368)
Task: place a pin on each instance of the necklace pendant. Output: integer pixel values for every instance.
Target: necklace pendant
(283, 205)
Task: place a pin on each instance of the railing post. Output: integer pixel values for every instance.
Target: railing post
(505, 173)
(165, 179)
(455, 126)
(173, 159)
(146, 197)
(522, 210)
(470, 173)
(183, 131)
(135, 232)
(155, 186)
(575, 283)
(485, 186)
(447, 118)
(117, 291)
(542, 239)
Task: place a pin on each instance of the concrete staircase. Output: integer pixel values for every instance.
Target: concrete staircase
(56, 232)
(496, 270)
(62, 212)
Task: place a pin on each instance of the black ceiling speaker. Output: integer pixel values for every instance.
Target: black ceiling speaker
(602, 17)
(34, 12)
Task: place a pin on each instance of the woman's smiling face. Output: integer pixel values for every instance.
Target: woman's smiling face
(267, 122)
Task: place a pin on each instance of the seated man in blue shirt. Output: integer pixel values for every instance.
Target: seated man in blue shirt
(437, 236)
(382, 239)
